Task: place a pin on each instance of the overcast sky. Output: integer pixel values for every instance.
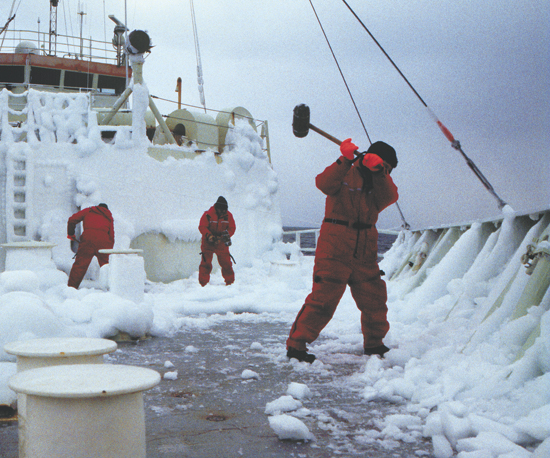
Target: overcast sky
(483, 68)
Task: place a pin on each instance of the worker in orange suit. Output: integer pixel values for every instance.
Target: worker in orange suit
(358, 187)
(217, 226)
(98, 234)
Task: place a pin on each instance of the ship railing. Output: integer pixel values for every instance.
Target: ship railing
(306, 239)
(103, 92)
(261, 126)
(65, 46)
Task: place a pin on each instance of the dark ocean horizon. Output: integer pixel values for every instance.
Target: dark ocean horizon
(307, 240)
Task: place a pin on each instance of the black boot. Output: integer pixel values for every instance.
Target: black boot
(380, 350)
(300, 355)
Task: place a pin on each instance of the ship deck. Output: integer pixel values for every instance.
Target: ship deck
(210, 410)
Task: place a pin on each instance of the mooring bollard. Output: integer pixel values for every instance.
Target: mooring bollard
(54, 351)
(35, 353)
(83, 410)
(28, 255)
(126, 274)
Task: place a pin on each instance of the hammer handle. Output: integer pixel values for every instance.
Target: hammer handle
(324, 134)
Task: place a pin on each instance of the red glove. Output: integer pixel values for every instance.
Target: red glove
(347, 148)
(72, 237)
(373, 162)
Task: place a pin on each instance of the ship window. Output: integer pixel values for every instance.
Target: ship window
(45, 76)
(12, 73)
(78, 79)
(110, 84)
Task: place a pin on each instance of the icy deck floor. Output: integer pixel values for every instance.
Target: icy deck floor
(211, 411)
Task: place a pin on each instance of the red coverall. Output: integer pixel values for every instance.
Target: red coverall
(98, 234)
(210, 224)
(346, 254)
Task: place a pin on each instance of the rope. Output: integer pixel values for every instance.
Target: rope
(454, 143)
(386, 54)
(340, 70)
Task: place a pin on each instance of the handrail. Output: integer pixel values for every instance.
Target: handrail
(91, 49)
(298, 239)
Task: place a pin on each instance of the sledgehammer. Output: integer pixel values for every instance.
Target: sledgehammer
(301, 125)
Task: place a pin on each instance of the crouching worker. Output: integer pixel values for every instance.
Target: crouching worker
(98, 234)
(357, 190)
(217, 226)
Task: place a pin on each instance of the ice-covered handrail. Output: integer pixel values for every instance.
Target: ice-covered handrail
(45, 117)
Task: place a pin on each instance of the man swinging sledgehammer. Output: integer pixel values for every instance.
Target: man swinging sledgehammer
(357, 190)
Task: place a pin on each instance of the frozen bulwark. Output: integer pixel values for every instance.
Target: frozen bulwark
(474, 334)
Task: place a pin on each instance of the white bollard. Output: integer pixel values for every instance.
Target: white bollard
(83, 410)
(35, 353)
(29, 256)
(126, 274)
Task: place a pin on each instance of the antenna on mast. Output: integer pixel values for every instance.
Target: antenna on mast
(198, 53)
(53, 26)
(118, 40)
(81, 13)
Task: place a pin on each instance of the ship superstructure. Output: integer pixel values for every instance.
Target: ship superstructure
(79, 127)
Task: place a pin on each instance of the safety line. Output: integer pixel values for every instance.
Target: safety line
(341, 73)
(386, 54)
(454, 143)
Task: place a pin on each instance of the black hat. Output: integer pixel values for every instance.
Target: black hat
(104, 206)
(221, 202)
(384, 151)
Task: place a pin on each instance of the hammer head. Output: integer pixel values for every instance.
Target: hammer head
(300, 122)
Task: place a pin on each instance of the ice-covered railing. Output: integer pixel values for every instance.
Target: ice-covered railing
(310, 238)
(63, 45)
(472, 301)
(306, 239)
(46, 117)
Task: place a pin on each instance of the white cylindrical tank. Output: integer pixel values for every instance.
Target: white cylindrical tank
(226, 118)
(200, 128)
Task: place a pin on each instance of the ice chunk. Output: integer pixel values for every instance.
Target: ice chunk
(256, 346)
(283, 404)
(171, 375)
(248, 374)
(494, 443)
(442, 447)
(288, 427)
(537, 423)
(298, 390)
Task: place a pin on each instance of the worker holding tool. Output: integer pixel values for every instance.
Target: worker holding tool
(98, 234)
(217, 226)
(357, 189)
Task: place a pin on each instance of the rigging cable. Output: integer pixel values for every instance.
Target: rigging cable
(10, 18)
(454, 143)
(341, 73)
(405, 224)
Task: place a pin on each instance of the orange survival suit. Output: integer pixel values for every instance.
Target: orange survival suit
(347, 252)
(212, 226)
(98, 234)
